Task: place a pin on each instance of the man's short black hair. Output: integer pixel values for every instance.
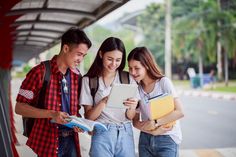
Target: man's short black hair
(75, 36)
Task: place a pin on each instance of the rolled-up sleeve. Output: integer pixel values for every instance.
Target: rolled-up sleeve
(31, 85)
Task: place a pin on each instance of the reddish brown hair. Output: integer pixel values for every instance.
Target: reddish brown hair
(145, 57)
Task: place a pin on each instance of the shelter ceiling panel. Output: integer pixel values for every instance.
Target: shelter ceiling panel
(23, 33)
(36, 43)
(25, 26)
(48, 34)
(82, 5)
(22, 38)
(31, 16)
(51, 27)
(41, 39)
(25, 4)
(19, 43)
(26, 47)
(71, 18)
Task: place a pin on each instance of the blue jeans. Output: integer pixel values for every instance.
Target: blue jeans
(118, 141)
(157, 146)
(67, 147)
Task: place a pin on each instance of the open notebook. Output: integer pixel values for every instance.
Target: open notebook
(84, 124)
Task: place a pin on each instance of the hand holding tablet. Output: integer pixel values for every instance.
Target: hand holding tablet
(120, 93)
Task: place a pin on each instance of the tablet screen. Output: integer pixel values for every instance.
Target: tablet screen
(121, 92)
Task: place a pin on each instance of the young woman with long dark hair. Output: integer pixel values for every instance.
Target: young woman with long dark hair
(118, 140)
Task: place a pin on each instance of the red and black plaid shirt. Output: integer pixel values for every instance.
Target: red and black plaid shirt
(44, 136)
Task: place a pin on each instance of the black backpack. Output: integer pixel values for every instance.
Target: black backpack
(29, 122)
(93, 82)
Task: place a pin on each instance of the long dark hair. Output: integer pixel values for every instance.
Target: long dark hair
(145, 57)
(110, 44)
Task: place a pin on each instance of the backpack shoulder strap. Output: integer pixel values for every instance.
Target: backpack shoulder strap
(93, 85)
(124, 77)
(79, 85)
(46, 80)
(47, 71)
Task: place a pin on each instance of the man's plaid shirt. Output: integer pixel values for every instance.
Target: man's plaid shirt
(44, 136)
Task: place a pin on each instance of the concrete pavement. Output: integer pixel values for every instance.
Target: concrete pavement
(25, 151)
(210, 94)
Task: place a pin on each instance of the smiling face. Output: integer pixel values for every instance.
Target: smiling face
(137, 70)
(111, 60)
(74, 54)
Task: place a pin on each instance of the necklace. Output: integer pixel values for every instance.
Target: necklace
(149, 87)
(65, 86)
(109, 84)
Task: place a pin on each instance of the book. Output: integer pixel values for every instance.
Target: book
(161, 105)
(121, 92)
(84, 124)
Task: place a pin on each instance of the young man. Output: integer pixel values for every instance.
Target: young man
(61, 99)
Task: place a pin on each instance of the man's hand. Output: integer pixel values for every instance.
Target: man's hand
(60, 117)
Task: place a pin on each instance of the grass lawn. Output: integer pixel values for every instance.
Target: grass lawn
(218, 86)
(231, 89)
(221, 87)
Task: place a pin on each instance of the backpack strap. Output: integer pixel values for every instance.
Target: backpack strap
(29, 122)
(46, 80)
(93, 85)
(79, 85)
(124, 77)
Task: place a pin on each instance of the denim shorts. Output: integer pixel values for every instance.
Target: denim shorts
(157, 146)
(117, 141)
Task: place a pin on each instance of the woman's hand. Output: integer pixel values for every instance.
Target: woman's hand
(103, 102)
(149, 125)
(131, 103)
(160, 130)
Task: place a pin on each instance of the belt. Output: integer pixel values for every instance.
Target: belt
(66, 133)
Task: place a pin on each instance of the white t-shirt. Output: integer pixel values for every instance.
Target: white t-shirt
(163, 86)
(108, 115)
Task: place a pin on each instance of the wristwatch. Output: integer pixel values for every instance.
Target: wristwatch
(156, 122)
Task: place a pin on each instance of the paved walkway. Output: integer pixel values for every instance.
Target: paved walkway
(201, 93)
(25, 151)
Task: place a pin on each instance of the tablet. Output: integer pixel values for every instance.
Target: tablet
(121, 92)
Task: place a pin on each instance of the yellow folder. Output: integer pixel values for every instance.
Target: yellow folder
(161, 106)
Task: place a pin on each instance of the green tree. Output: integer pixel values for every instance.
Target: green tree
(152, 23)
(98, 34)
(195, 30)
